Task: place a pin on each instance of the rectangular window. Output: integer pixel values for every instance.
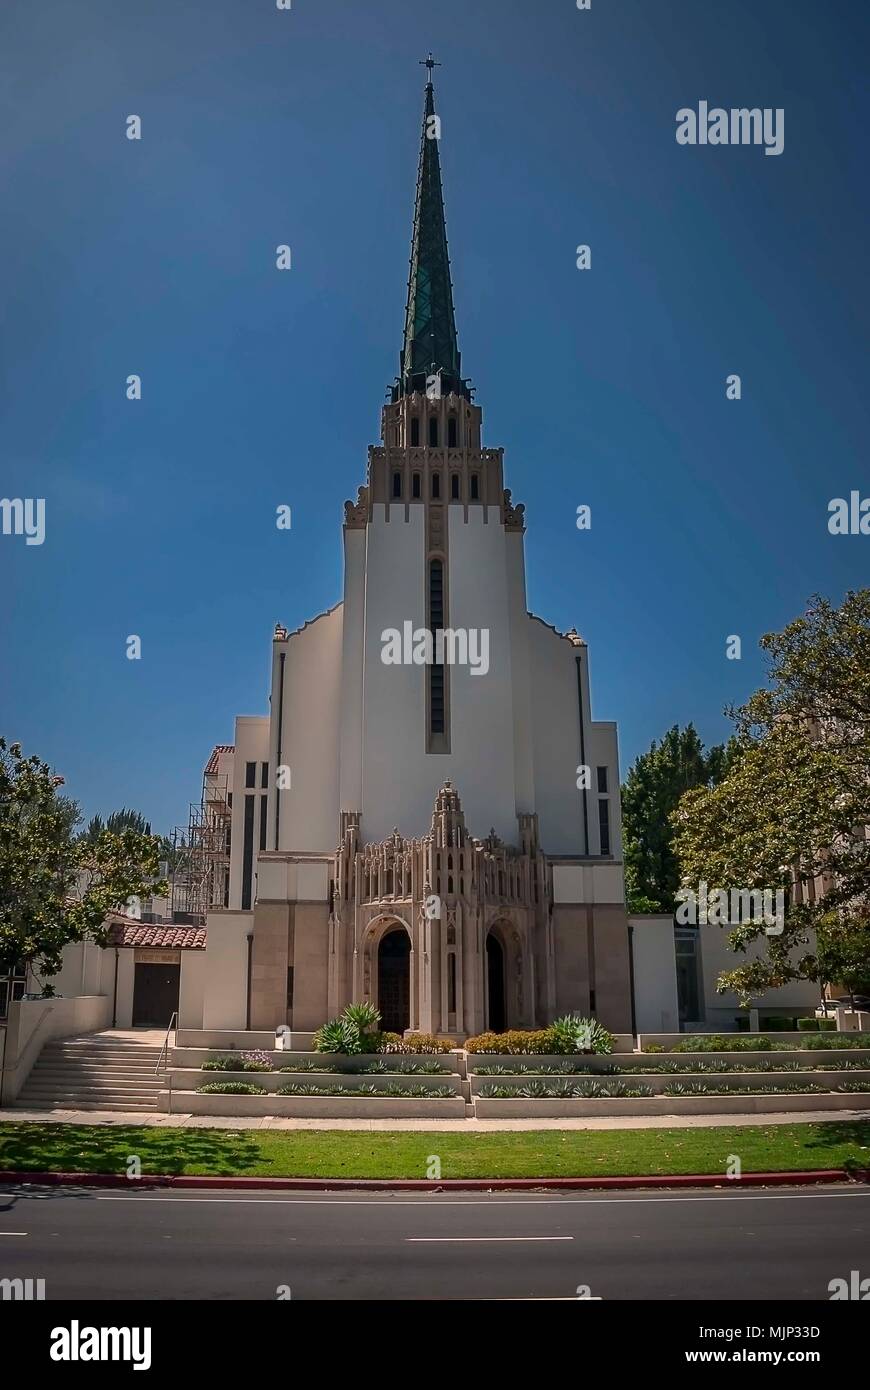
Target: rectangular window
(436, 485)
(604, 824)
(454, 487)
(263, 802)
(602, 779)
(451, 983)
(289, 986)
(475, 488)
(415, 485)
(397, 484)
(264, 774)
(415, 432)
(451, 432)
(248, 852)
(250, 774)
(433, 432)
(436, 689)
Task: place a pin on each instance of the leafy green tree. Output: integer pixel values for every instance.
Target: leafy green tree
(796, 803)
(650, 795)
(42, 905)
(118, 820)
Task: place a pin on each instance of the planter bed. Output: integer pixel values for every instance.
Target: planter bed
(815, 1056)
(657, 1081)
(190, 1079)
(313, 1107)
(589, 1061)
(193, 1057)
(489, 1109)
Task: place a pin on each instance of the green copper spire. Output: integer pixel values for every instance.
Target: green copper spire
(430, 345)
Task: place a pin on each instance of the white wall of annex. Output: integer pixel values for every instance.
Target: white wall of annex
(309, 820)
(556, 740)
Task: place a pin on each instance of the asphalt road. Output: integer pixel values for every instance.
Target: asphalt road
(754, 1245)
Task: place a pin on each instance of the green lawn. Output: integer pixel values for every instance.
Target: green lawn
(357, 1154)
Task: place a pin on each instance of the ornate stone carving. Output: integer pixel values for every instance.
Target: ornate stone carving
(514, 515)
(356, 514)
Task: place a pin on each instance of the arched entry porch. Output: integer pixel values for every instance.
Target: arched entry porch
(394, 980)
(496, 998)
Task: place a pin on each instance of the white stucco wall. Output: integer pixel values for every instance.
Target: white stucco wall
(353, 650)
(720, 1009)
(226, 969)
(191, 988)
(400, 778)
(251, 745)
(655, 976)
(311, 735)
(555, 734)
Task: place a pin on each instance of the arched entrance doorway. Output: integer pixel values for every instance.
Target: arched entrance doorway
(496, 1012)
(394, 981)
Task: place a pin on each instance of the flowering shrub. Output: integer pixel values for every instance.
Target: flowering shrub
(571, 1034)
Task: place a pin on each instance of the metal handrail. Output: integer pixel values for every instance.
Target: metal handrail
(165, 1047)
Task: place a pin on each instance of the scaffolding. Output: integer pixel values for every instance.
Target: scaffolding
(200, 874)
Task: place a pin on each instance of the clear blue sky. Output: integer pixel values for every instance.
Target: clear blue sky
(263, 127)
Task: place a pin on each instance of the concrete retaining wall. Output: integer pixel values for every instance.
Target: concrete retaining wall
(666, 1105)
(190, 1079)
(313, 1107)
(31, 1023)
(735, 1081)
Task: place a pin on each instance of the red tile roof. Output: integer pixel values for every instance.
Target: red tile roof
(212, 764)
(153, 935)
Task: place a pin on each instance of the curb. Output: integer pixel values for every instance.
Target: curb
(808, 1176)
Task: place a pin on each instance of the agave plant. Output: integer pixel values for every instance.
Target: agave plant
(338, 1035)
(365, 1017)
(572, 1033)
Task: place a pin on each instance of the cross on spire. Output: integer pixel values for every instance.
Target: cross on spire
(429, 63)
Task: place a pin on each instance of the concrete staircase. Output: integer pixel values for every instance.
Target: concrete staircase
(98, 1071)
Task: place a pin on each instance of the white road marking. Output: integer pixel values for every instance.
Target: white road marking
(337, 1199)
(13, 1233)
(473, 1240)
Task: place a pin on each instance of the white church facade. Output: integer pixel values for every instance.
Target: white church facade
(408, 831)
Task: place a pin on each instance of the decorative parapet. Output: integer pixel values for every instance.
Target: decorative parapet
(356, 514)
(514, 513)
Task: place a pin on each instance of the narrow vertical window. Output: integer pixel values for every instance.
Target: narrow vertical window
(415, 485)
(604, 824)
(475, 488)
(415, 431)
(436, 673)
(248, 852)
(451, 432)
(250, 774)
(433, 431)
(397, 484)
(602, 779)
(436, 484)
(454, 487)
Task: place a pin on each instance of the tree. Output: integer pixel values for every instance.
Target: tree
(793, 811)
(650, 794)
(843, 955)
(117, 821)
(42, 905)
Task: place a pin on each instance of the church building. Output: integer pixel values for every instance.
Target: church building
(428, 816)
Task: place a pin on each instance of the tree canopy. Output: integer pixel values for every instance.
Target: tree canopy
(795, 805)
(43, 906)
(650, 795)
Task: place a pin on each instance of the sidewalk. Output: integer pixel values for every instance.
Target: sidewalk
(158, 1120)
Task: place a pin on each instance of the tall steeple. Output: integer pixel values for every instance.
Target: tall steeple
(430, 347)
